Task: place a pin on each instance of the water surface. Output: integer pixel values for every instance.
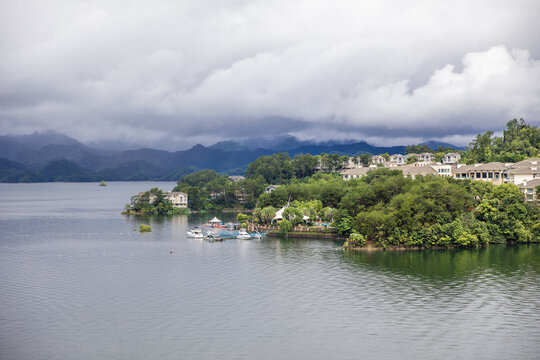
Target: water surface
(76, 282)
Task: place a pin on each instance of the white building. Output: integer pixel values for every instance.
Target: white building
(444, 170)
(524, 171)
(398, 159)
(355, 173)
(178, 199)
(528, 188)
(425, 157)
(451, 158)
(378, 159)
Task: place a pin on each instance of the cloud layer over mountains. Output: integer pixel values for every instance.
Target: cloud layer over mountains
(175, 73)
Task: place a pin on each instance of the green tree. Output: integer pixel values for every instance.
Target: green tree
(285, 226)
(365, 159)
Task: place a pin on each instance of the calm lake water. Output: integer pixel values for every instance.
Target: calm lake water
(76, 282)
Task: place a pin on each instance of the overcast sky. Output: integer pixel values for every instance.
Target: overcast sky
(175, 73)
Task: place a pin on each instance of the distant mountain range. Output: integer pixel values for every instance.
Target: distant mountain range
(51, 156)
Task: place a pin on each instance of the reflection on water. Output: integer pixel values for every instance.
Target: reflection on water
(445, 264)
(86, 286)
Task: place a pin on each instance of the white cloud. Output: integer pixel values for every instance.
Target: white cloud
(208, 70)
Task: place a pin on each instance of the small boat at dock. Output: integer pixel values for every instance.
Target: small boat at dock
(243, 234)
(195, 233)
(212, 236)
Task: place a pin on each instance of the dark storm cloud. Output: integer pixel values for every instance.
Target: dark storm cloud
(165, 73)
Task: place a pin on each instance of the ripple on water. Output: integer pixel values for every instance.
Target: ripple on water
(90, 294)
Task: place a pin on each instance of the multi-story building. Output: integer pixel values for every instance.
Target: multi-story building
(451, 158)
(524, 170)
(528, 188)
(425, 157)
(398, 159)
(179, 199)
(494, 172)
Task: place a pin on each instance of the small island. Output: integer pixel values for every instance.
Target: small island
(156, 202)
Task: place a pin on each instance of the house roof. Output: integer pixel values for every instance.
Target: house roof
(527, 162)
(177, 193)
(524, 170)
(417, 170)
(530, 184)
(357, 171)
(491, 166)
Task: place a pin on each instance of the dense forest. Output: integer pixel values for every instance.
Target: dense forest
(387, 209)
(519, 141)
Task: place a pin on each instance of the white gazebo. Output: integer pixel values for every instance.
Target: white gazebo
(215, 220)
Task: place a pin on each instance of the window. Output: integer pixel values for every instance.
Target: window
(490, 175)
(484, 175)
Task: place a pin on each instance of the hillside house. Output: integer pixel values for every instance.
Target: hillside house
(398, 159)
(528, 188)
(426, 157)
(413, 171)
(444, 170)
(378, 159)
(451, 158)
(494, 172)
(355, 173)
(524, 171)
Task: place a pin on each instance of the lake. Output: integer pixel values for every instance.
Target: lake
(77, 282)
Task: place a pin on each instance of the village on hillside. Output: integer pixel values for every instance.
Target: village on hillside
(524, 174)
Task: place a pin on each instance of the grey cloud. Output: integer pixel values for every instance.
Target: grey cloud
(178, 72)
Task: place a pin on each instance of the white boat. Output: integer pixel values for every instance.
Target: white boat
(195, 233)
(243, 234)
(212, 236)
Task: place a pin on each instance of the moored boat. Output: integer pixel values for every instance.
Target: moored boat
(212, 236)
(243, 234)
(195, 233)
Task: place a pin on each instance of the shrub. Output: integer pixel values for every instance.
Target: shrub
(145, 228)
(355, 240)
(285, 226)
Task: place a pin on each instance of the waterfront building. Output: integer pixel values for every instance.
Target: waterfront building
(179, 199)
